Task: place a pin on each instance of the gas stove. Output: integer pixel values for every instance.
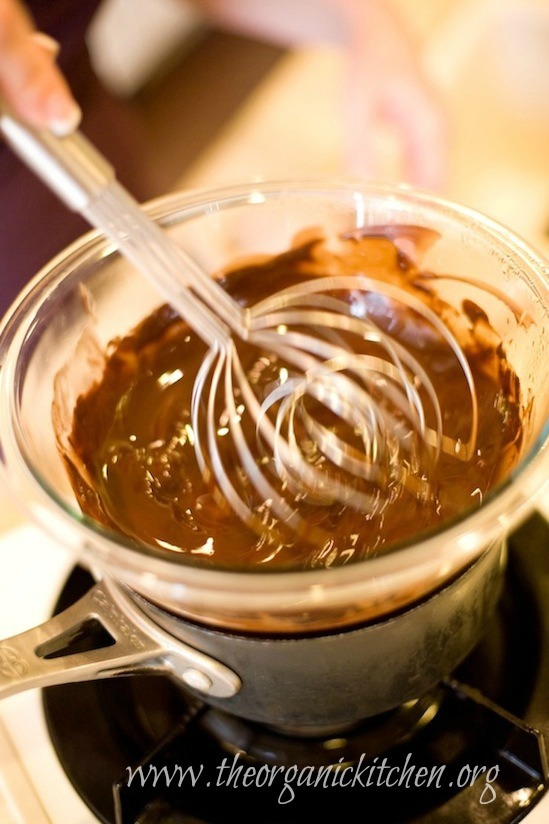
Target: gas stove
(137, 749)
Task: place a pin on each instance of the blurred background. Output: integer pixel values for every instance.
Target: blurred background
(224, 108)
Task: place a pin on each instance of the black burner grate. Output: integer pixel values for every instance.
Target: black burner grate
(493, 713)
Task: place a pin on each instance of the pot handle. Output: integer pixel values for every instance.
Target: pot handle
(123, 643)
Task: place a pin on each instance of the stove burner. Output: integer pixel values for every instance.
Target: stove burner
(371, 738)
(493, 713)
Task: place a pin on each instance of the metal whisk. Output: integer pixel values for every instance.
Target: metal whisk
(354, 413)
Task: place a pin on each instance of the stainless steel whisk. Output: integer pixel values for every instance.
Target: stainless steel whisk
(373, 396)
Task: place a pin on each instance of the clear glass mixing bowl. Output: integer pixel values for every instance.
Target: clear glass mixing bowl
(90, 286)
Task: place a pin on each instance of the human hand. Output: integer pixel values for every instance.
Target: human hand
(30, 82)
(384, 84)
(386, 89)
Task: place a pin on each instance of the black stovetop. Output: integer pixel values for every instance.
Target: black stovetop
(414, 764)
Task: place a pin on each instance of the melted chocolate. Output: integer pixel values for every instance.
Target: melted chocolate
(132, 431)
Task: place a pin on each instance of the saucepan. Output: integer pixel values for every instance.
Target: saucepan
(305, 649)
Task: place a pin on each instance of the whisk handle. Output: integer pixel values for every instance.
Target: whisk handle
(70, 165)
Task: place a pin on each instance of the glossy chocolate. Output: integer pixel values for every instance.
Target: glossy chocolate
(133, 436)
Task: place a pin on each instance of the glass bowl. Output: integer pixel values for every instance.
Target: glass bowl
(90, 287)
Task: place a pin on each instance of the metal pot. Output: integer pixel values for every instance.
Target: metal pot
(307, 683)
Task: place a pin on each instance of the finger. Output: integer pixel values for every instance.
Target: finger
(30, 82)
(361, 144)
(360, 118)
(422, 124)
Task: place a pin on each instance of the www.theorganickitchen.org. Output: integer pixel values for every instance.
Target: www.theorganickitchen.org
(288, 779)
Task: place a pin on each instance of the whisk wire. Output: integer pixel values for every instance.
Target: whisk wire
(307, 327)
(376, 393)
